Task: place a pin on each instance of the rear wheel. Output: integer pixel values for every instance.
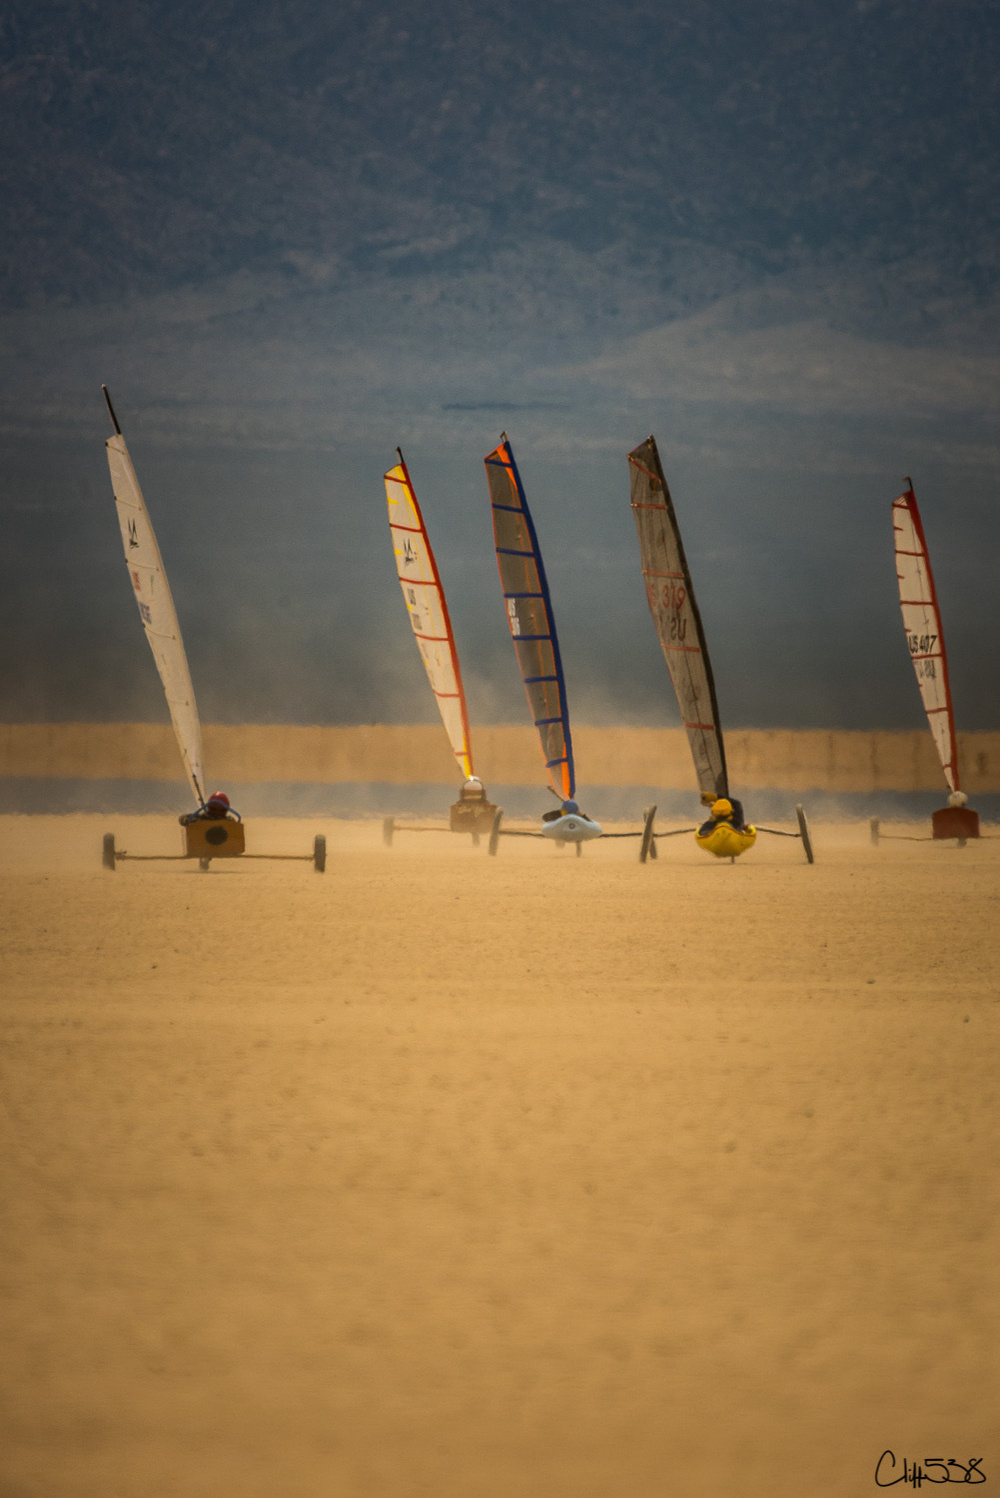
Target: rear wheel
(388, 828)
(494, 842)
(108, 852)
(319, 853)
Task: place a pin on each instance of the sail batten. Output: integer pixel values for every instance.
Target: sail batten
(671, 600)
(427, 610)
(156, 606)
(529, 616)
(924, 633)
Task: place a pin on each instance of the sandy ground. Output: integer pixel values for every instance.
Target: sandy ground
(444, 1175)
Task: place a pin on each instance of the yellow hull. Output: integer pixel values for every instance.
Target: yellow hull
(725, 842)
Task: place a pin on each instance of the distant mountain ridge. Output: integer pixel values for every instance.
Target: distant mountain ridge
(155, 145)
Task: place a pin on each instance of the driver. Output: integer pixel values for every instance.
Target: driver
(215, 809)
(568, 809)
(724, 812)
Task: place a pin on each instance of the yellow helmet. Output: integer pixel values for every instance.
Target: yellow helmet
(722, 808)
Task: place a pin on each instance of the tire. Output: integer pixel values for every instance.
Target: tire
(108, 852)
(647, 846)
(494, 842)
(388, 828)
(319, 853)
(804, 834)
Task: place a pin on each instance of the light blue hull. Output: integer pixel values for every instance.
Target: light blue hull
(573, 828)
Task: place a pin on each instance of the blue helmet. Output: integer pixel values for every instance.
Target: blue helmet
(569, 808)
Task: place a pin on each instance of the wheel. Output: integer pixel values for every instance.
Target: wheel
(108, 853)
(388, 828)
(873, 827)
(204, 864)
(804, 833)
(648, 844)
(319, 853)
(494, 842)
(579, 849)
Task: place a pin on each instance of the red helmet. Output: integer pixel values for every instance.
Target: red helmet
(219, 797)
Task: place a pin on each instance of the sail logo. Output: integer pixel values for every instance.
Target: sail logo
(512, 619)
(133, 538)
(146, 612)
(136, 582)
(409, 551)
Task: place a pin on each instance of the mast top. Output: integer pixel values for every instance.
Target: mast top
(111, 411)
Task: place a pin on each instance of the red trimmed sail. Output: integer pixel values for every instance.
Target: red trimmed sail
(428, 610)
(924, 634)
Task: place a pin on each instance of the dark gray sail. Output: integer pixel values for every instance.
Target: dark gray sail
(675, 614)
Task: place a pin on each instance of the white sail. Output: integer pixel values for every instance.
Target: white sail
(156, 606)
(922, 623)
(428, 610)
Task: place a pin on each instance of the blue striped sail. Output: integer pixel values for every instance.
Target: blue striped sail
(529, 616)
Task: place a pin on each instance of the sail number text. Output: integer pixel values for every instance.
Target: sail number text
(672, 597)
(921, 644)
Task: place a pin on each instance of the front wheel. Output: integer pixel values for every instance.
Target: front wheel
(108, 852)
(319, 853)
(648, 844)
(804, 833)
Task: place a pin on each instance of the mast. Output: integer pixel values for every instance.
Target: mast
(156, 605)
(670, 595)
(427, 609)
(924, 633)
(529, 616)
